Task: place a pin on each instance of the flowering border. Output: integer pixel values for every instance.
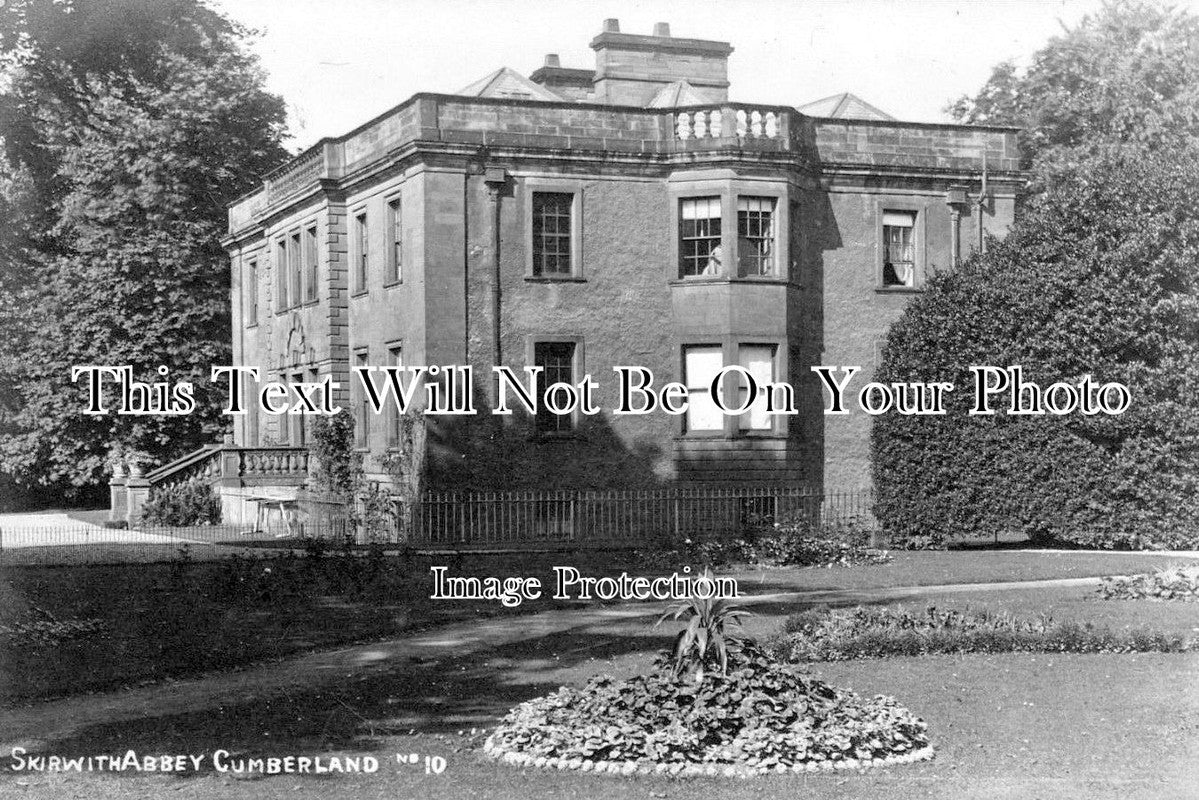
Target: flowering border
(684, 769)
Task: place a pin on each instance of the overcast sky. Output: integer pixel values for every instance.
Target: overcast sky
(337, 63)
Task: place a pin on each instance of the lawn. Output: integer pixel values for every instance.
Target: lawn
(929, 568)
(1005, 727)
(1074, 603)
(177, 619)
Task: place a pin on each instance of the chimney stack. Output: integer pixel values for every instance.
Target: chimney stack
(630, 69)
(551, 60)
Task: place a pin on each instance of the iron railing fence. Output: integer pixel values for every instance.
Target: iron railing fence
(91, 544)
(508, 520)
(632, 518)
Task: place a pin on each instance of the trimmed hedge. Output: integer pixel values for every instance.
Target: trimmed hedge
(1097, 278)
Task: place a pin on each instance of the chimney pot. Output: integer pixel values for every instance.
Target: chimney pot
(612, 25)
(551, 60)
(662, 29)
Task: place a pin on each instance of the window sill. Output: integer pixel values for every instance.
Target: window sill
(251, 325)
(359, 292)
(297, 307)
(898, 289)
(701, 279)
(737, 437)
(392, 284)
(555, 279)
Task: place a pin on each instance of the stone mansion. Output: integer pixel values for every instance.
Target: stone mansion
(622, 214)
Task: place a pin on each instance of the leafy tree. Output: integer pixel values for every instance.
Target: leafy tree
(131, 139)
(1128, 75)
(1097, 278)
(54, 53)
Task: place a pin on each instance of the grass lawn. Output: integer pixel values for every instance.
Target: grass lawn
(1073, 603)
(1081, 604)
(171, 620)
(953, 566)
(1005, 726)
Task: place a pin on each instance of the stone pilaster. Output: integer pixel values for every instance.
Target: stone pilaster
(338, 287)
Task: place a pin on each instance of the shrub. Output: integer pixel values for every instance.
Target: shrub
(841, 543)
(752, 715)
(190, 502)
(860, 632)
(703, 642)
(335, 463)
(1096, 278)
(760, 717)
(338, 479)
(1170, 583)
(793, 542)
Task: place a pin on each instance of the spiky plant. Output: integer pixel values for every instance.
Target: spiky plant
(704, 640)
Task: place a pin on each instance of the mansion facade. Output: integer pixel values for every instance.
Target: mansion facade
(582, 219)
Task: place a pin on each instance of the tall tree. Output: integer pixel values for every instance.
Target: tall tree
(130, 139)
(1128, 75)
(1099, 279)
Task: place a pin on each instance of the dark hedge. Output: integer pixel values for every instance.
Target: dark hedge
(1097, 277)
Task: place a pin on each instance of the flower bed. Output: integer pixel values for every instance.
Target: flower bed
(784, 544)
(1171, 583)
(861, 632)
(759, 718)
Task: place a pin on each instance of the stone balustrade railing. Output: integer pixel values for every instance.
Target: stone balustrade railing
(728, 122)
(268, 462)
(217, 465)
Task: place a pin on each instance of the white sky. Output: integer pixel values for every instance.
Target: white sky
(338, 63)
